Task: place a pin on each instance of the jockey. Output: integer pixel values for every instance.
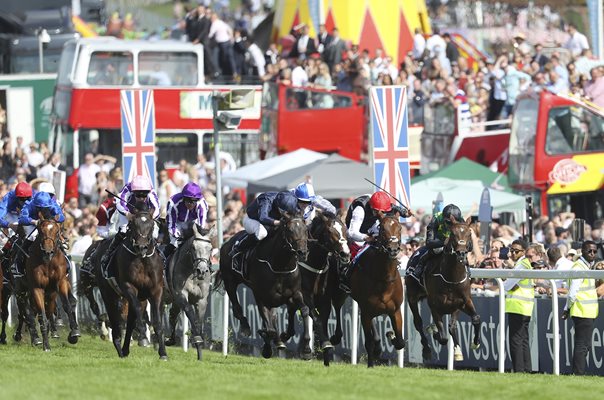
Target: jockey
(10, 207)
(103, 215)
(136, 195)
(183, 208)
(262, 214)
(42, 203)
(362, 219)
(305, 194)
(437, 232)
(47, 187)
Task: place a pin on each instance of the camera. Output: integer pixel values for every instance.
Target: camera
(229, 120)
(504, 253)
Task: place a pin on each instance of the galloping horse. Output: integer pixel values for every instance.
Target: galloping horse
(139, 275)
(189, 278)
(88, 281)
(376, 285)
(447, 289)
(274, 278)
(327, 249)
(46, 273)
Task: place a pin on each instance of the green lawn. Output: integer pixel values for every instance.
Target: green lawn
(92, 370)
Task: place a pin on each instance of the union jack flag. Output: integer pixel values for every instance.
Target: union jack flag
(390, 153)
(138, 134)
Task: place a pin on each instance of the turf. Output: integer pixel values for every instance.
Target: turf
(92, 370)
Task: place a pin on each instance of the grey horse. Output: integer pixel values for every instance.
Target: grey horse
(189, 277)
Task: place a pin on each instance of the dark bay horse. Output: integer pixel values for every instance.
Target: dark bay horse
(46, 275)
(88, 282)
(328, 247)
(376, 286)
(274, 278)
(189, 281)
(447, 289)
(138, 270)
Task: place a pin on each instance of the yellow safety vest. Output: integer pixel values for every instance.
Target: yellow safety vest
(586, 302)
(521, 299)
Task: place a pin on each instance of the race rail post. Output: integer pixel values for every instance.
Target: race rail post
(355, 333)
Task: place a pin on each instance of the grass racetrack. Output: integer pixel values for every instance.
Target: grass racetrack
(92, 370)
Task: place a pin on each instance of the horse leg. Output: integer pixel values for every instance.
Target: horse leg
(298, 303)
(37, 296)
(437, 333)
(131, 322)
(454, 335)
(202, 305)
(377, 341)
(231, 289)
(173, 316)
(419, 327)
(4, 315)
(157, 321)
(183, 303)
(396, 337)
(337, 302)
(323, 317)
(69, 306)
(267, 333)
(134, 306)
(470, 310)
(112, 305)
(367, 323)
(51, 314)
(94, 306)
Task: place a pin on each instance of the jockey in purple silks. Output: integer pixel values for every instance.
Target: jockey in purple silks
(136, 195)
(183, 208)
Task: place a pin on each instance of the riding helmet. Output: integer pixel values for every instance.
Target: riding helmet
(42, 200)
(452, 210)
(141, 183)
(23, 190)
(305, 192)
(47, 187)
(380, 201)
(192, 191)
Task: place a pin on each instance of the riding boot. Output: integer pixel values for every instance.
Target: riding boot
(344, 277)
(117, 240)
(243, 245)
(169, 250)
(18, 267)
(421, 264)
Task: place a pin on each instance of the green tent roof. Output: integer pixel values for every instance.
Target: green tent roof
(466, 169)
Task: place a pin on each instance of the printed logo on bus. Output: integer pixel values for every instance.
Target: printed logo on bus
(566, 171)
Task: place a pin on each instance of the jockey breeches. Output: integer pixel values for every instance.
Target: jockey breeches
(119, 222)
(254, 227)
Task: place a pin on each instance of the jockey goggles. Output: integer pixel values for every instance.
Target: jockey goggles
(141, 195)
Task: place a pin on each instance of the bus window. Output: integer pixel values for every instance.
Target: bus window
(298, 98)
(110, 68)
(522, 141)
(167, 68)
(66, 64)
(175, 146)
(572, 130)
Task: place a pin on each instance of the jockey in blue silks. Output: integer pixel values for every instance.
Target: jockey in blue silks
(262, 214)
(183, 208)
(10, 208)
(136, 195)
(305, 193)
(43, 203)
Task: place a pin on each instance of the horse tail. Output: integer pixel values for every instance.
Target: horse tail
(218, 282)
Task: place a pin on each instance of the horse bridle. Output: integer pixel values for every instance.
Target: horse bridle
(383, 246)
(53, 242)
(197, 261)
(151, 243)
(290, 246)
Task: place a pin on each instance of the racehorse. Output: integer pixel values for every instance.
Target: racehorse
(189, 277)
(88, 282)
(46, 274)
(447, 289)
(376, 286)
(328, 247)
(137, 269)
(274, 278)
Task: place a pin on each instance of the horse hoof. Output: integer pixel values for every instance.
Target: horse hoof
(427, 354)
(17, 337)
(73, 339)
(3, 340)
(36, 342)
(280, 345)
(475, 346)
(163, 358)
(196, 340)
(47, 350)
(246, 331)
(104, 318)
(326, 346)
(306, 355)
(327, 356)
(170, 341)
(54, 335)
(458, 357)
(143, 342)
(284, 337)
(267, 351)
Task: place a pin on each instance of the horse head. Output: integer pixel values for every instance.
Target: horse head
(389, 238)
(200, 251)
(330, 233)
(460, 240)
(295, 235)
(49, 231)
(141, 233)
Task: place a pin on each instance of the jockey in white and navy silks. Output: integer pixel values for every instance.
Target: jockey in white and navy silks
(265, 212)
(183, 208)
(135, 195)
(306, 194)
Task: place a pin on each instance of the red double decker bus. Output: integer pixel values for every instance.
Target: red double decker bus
(86, 103)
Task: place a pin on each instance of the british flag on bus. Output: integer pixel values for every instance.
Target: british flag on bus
(388, 105)
(138, 133)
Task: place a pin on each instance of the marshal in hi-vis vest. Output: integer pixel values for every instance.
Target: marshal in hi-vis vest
(586, 302)
(521, 299)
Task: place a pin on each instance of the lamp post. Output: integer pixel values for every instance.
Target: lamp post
(43, 37)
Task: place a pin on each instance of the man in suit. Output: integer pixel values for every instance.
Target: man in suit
(304, 46)
(324, 38)
(333, 52)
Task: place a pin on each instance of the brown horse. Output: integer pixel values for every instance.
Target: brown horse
(138, 271)
(46, 274)
(376, 286)
(447, 289)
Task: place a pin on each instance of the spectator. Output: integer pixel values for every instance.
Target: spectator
(577, 41)
(86, 179)
(435, 41)
(559, 263)
(54, 164)
(334, 50)
(304, 45)
(34, 157)
(324, 39)
(419, 45)
(451, 49)
(594, 90)
(222, 34)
